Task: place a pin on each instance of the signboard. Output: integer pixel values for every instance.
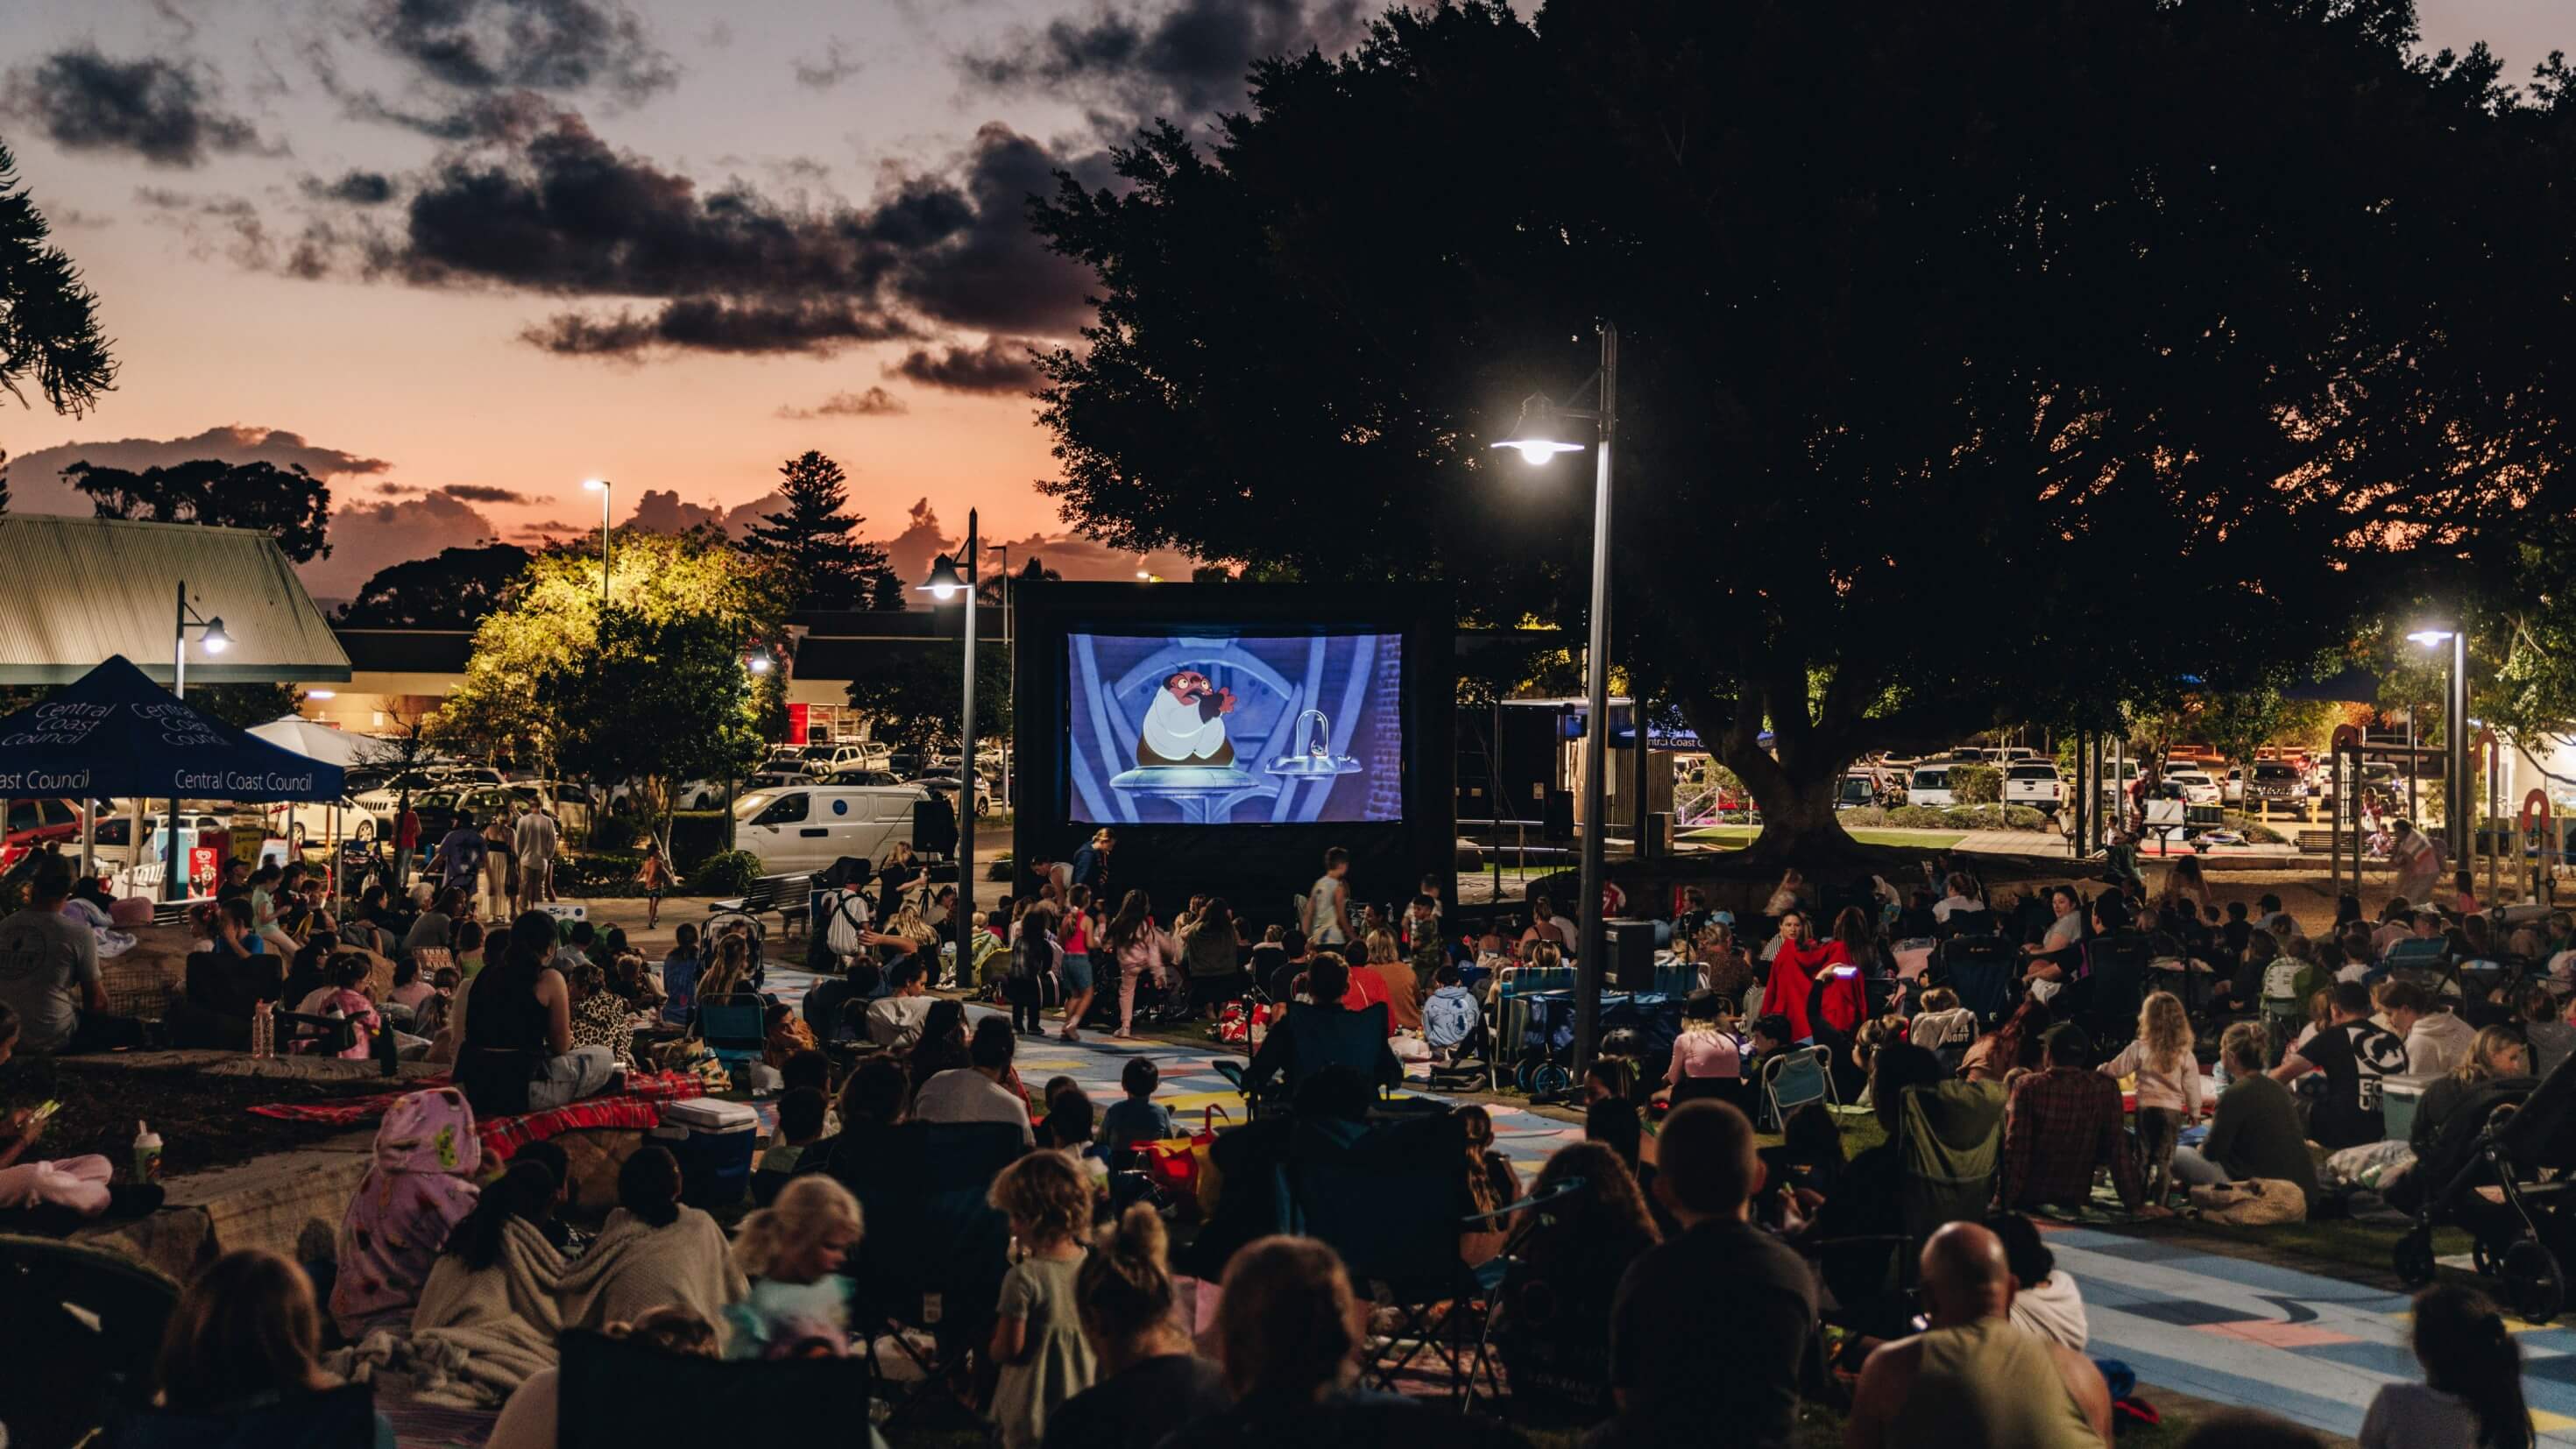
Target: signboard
(797, 721)
(201, 870)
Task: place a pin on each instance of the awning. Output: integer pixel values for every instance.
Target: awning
(87, 589)
(114, 732)
(319, 741)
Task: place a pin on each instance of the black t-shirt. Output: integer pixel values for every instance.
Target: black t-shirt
(1139, 1406)
(2353, 1056)
(1722, 1294)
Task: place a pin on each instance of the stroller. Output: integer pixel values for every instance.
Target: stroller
(2520, 1139)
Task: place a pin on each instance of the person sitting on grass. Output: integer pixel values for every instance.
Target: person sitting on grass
(1973, 1377)
(800, 1125)
(244, 1343)
(1450, 1013)
(77, 1183)
(2046, 1301)
(517, 1053)
(601, 1017)
(1037, 1334)
(1705, 1061)
(680, 976)
(2472, 1394)
(2255, 1132)
(2062, 1122)
(872, 1101)
(798, 1302)
(979, 1091)
(2355, 1057)
(653, 1251)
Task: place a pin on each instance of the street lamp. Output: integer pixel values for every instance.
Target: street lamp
(1538, 437)
(602, 488)
(759, 663)
(1010, 651)
(948, 578)
(210, 634)
(2456, 800)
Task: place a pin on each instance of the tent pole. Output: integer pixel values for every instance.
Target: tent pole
(89, 832)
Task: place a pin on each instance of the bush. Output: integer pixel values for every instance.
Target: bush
(1976, 784)
(696, 835)
(2252, 829)
(1862, 815)
(598, 875)
(614, 832)
(725, 873)
(2022, 817)
(1916, 817)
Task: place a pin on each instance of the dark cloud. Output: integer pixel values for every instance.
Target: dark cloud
(169, 115)
(232, 227)
(483, 493)
(660, 510)
(876, 402)
(544, 45)
(35, 478)
(735, 269)
(500, 118)
(924, 538)
(712, 324)
(1184, 60)
(1002, 364)
(358, 188)
(827, 70)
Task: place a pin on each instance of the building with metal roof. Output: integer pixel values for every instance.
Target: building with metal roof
(86, 589)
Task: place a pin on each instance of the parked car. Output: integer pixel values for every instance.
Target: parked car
(2277, 785)
(1858, 790)
(798, 828)
(947, 785)
(305, 820)
(37, 819)
(2197, 786)
(1930, 785)
(2035, 784)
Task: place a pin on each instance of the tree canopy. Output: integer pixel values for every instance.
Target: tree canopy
(453, 589)
(289, 504)
(49, 331)
(814, 540)
(1956, 339)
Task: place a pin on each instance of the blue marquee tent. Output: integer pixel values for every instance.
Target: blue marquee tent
(114, 732)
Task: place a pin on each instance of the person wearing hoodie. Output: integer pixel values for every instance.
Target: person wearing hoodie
(1449, 1013)
(653, 1252)
(420, 1186)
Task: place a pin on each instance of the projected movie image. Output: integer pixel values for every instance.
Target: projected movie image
(1235, 729)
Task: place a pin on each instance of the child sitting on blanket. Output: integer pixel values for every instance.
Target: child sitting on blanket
(78, 1183)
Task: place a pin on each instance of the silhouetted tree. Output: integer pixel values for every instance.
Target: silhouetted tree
(815, 541)
(2037, 352)
(288, 504)
(452, 589)
(48, 317)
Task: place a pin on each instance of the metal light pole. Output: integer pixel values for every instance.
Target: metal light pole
(1010, 649)
(1537, 439)
(603, 487)
(2456, 799)
(173, 878)
(947, 578)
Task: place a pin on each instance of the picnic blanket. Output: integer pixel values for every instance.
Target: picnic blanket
(477, 1335)
(638, 1105)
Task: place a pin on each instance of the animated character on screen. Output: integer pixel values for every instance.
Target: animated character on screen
(1185, 725)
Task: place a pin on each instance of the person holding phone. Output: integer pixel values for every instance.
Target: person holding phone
(77, 1183)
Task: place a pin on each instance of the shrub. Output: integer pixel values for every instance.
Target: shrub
(614, 832)
(1976, 784)
(1862, 815)
(1916, 817)
(2022, 817)
(725, 873)
(599, 874)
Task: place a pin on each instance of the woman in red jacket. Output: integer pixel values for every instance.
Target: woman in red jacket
(1793, 974)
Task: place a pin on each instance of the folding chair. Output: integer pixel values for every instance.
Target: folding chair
(1950, 1135)
(734, 1031)
(614, 1393)
(1793, 1079)
(1322, 1037)
(1391, 1199)
(1984, 970)
(78, 1342)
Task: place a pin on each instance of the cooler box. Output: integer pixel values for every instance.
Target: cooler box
(713, 1140)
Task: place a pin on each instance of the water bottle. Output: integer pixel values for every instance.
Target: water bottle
(147, 1154)
(263, 1029)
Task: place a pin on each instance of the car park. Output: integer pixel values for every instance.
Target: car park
(1930, 785)
(2275, 786)
(2034, 783)
(2197, 786)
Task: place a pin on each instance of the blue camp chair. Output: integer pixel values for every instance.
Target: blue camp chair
(1389, 1198)
(1320, 1038)
(734, 1031)
(1793, 1079)
(1984, 970)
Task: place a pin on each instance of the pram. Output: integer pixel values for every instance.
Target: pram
(1546, 1051)
(721, 921)
(2504, 1135)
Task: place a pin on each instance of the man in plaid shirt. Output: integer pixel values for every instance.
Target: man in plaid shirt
(2063, 1122)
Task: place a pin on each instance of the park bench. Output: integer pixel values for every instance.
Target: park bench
(2316, 842)
(788, 895)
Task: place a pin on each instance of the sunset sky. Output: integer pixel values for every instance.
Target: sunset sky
(459, 255)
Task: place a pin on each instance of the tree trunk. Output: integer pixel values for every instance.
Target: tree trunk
(1794, 788)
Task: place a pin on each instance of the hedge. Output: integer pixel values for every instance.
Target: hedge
(1976, 784)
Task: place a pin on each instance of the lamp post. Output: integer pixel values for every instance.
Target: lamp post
(759, 663)
(2456, 800)
(1010, 650)
(602, 487)
(216, 641)
(1538, 438)
(949, 577)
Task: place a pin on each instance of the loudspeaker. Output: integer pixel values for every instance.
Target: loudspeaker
(934, 825)
(1557, 815)
(1632, 954)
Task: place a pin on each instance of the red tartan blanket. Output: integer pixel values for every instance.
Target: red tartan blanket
(639, 1105)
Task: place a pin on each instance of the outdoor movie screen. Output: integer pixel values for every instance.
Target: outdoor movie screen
(1231, 729)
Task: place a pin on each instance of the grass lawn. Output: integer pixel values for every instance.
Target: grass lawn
(1742, 835)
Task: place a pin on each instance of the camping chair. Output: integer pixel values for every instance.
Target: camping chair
(1793, 1079)
(1392, 1199)
(1984, 970)
(78, 1342)
(2111, 985)
(935, 1250)
(614, 1393)
(1979, 922)
(734, 1030)
(1542, 1365)
(1950, 1138)
(1320, 1037)
(331, 1419)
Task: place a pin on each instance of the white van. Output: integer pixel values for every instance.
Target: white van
(796, 829)
(1931, 786)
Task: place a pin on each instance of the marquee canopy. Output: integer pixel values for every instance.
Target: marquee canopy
(114, 732)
